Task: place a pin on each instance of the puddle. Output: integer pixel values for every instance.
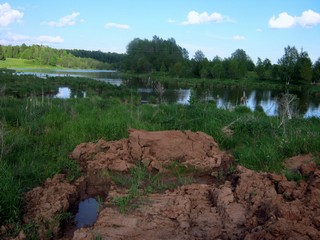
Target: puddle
(87, 213)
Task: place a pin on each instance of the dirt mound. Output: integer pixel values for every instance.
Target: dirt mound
(47, 205)
(250, 206)
(229, 204)
(154, 149)
(303, 164)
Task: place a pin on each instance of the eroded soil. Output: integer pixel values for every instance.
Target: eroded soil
(222, 201)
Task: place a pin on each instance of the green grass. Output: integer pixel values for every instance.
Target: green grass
(141, 182)
(16, 63)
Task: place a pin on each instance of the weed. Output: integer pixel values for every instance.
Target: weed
(53, 226)
(140, 182)
(292, 175)
(97, 237)
(100, 203)
(31, 230)
(122, 202)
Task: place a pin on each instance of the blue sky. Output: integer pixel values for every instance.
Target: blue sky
(263, 28)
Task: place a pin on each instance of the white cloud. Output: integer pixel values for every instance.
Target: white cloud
(17, 38)
(9, 15)
(68, 20)
(309, 18)
(116, 25)
(284, 20)
(238, 37)
(12, 38)
(259, 30)
(199, 18)
(49, 39)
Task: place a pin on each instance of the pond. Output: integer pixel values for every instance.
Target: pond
(224, 97)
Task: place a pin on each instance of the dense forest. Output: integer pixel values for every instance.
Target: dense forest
(168, 58)
(110, 57)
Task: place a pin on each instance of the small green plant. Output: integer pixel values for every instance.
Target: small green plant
(122, 202)
(31, 230)
(232, 169)
(100, 203)
(292, 175)
(98, 237)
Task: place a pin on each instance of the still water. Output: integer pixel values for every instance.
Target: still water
(87, 213)
(225, 98)
(65, 93)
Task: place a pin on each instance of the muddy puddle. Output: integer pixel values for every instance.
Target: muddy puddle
(87, 213)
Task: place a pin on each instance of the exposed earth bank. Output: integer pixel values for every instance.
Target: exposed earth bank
(221, 200)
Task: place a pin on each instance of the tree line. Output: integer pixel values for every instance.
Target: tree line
(167, 57)
(109, 57)
(158, 55)
(47, 56)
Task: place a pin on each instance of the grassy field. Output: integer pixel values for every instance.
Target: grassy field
(15, 63)
(36, 133)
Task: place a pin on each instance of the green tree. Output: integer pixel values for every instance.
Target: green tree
(15, 52)
(197, 64)
(2, 54)
(158, 54)
(264, 68)
(275, 72)
(260, 69)
(217, 70)
(8, 51)
(288, 63)
(199, 56)
(241, 63)
(27, 53)
(205, 69)
(267, 68)
(303, 68)
(316, 71)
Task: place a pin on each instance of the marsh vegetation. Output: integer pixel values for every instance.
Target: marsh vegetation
(37, 131)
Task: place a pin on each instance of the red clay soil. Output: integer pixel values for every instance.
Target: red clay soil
(246, 205)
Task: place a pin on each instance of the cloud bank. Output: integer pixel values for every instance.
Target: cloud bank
(9, 15)
(12, 38)
(307, 19)
(199, 18)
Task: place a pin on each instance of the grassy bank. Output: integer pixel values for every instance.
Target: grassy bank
(36, 135)
(15, 63)
(250, 82)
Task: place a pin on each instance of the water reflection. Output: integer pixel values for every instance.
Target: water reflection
(66, 92)
(225, 97)
(87, 213)
(63, 92)
(183, 96)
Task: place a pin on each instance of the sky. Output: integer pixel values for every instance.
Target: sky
(262, 28)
